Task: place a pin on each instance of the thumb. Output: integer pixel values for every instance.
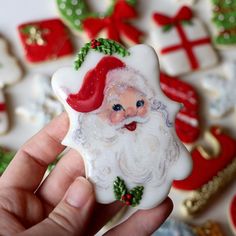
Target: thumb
(71, 215)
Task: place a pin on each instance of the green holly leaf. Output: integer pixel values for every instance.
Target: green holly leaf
(119, 188)
(131, 2)
(137, 194)
(167, 28)
(5, 159)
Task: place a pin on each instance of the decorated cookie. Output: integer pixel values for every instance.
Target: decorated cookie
(43, 106)
(216, 172)
(4, 122)
(210, 228)
(224, 19)
(173, 227)
(187, 120)
(182, 42)
(122, 123)
(5, 158)
(10, 71)
(232, 214)
(224, 89)
(113, 24)
(45, 40)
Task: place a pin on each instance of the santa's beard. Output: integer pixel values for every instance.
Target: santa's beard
(140, 156)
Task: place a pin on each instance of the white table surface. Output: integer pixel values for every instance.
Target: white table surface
(15, 12)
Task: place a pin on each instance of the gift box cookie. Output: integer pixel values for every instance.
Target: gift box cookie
(45, 40)
(182, 42)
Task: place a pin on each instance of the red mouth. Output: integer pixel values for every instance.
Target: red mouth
(131, 126)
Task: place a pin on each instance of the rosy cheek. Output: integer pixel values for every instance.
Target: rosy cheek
(142, 111)
(116, 117)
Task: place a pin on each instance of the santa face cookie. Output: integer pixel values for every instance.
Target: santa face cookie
(232, 214)
(44, 106)
(122, 123)
(45, 40)
(114, 24)
(182, 42)
(10, 71)
(224, 89)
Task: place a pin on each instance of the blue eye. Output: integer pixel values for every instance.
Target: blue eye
(117, 107)
(140, 103)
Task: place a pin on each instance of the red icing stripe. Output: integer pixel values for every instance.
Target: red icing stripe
(2, 107)
(90, 96)
(204, 170)
(232, 212)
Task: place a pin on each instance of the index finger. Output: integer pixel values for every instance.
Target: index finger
(27, 168)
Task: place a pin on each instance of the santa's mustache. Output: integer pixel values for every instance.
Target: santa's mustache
(137, 119)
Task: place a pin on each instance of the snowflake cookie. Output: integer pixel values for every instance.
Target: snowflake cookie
(45, 40)
(224, 88)
(10, 71)
(122, 123)
(44, 106)
(182, 42)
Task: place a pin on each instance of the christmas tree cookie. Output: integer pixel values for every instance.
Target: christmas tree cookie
(45, 40)
(122, 123)
(182, 42)
(114, 24)
(224, 18)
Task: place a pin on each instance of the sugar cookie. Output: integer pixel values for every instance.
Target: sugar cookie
(216, 172)
(182, 42)
(44, 106)
(45, 40)
(224, 88)
(187, 120)
(114, 24)
(10, 71)
(122, 123)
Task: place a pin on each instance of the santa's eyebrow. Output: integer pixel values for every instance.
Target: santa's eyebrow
(113, 98)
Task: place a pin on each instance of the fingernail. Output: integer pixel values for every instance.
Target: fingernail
(79, 192)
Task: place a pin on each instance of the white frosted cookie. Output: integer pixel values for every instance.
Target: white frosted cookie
(122, 123)
(224, 88)
(10, 71)
(4, 122)
(44, 106)
(182, 42)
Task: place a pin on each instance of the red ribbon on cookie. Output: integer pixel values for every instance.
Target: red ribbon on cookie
(187, 120)
(203, 169)
(183, 16)
(116, 24)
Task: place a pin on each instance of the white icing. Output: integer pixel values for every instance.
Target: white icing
(189, 2)
(224, 89)
(151, 156)
(44, 106)
(10, 71)
(170, 61)
(4, 122)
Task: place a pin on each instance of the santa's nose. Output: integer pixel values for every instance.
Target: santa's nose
(130, 111)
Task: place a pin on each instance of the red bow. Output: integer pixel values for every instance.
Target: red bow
(116, 24)
(184, 14)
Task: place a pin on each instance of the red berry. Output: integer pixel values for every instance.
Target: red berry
(123, 197)
(129, 196)
(127, 203)
(98, 43)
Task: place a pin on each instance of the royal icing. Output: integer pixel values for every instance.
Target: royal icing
(188, 2)
(44, 106)
(224, 88)
(121, 123)
(45, 40)
(173, 227)
(187, 120)
(4, 122)
(209, 167)
(10, 71)
(114, 23)
(182, 36)
(232, 214)
(224, 18)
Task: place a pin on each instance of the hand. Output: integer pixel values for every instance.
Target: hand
(64, 202)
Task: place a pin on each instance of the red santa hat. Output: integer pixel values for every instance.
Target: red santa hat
(91, 94)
